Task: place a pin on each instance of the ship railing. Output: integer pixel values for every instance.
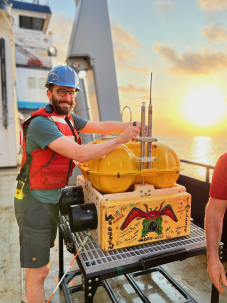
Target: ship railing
(33, 56)
(39, 2)
(33, 62)
(208, 167)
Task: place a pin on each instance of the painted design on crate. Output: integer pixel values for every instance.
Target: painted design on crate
(187, 217)
(152, 219)
(110, 234)
(110, 217)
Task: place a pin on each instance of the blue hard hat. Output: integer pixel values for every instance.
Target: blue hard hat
(63, 75)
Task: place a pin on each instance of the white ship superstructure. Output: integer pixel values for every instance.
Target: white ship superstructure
(9, 132)
(33, 51)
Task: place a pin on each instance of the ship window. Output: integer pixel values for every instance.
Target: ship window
(31, 23)
(31, 82)
(42, 83)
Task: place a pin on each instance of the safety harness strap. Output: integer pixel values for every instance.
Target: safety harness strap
(71, 127)
(22, 176)
(71, 161)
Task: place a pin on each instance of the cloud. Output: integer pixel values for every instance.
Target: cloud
(214, 33)
(121, 36)
(123, 53)
(202, 62)
(213, 5)
(61, 34)
(124, 44)
(132, 68)
(164, 8)
(132, 89)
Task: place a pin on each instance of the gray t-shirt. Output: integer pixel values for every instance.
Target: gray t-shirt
(41, 132)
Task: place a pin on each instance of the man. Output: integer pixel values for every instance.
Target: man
(215, 211)
(46, 167)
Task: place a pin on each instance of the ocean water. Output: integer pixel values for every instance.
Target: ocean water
(205, 150)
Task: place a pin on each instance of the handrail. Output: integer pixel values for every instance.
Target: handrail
(208, 167)
(43, 2)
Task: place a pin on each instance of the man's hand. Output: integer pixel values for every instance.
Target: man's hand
(217, 272)
(138, 124)
(215, 211)
(83, 153)
(130, 133)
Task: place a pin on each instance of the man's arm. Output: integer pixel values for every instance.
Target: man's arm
(215, 211)
(107, 128)
(82, 153)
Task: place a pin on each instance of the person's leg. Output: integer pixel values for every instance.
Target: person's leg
(26, 279)
(35, 284)
(35, 241)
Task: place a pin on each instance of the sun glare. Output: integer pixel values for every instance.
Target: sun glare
(204, 106)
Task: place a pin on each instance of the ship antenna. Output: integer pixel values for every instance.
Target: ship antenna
(149, 144)
(150, 88)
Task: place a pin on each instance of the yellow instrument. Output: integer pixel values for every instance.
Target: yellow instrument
(19, 194)
(118, 170)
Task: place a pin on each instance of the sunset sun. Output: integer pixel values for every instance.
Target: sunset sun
(204, 106)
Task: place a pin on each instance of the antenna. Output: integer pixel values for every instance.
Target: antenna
(142, 139)
(149, 144)
(150, 88)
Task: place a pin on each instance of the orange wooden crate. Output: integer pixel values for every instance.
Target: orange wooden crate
(137, 221)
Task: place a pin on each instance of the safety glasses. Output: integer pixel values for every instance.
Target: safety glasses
(63, 92)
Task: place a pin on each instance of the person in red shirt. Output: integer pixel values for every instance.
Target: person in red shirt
(214, 215)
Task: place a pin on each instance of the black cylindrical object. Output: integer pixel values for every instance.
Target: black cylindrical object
(83, 217)
(70, 196)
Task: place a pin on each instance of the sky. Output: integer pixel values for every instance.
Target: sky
(182, 43)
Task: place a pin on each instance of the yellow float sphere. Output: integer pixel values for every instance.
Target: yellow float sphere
(167, 164)
(113, 172)
(118, 170)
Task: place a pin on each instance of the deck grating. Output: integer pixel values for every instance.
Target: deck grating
(94, 259)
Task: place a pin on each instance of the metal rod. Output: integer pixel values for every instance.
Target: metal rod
(214, 294)
(142, 144)
(109, 291)
(136, 287)
(207, 174)
(196, 163)
(149, 144)
(208, 167)
(61, 254)
(79, 250)
(129, 111)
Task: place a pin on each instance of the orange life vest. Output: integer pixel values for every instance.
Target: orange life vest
(48, 169)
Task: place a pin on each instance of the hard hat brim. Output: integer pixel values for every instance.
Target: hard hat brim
(62, 84)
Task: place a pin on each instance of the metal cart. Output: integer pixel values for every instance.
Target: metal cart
(96, 266)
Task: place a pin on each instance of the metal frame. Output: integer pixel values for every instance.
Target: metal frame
(91, 281)
(208, 167)
(5, 115)
(130, 278)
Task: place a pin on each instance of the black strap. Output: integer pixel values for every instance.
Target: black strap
(71, 127)
(22, 176)
(54, 153)
(72, 130)
(70, 165)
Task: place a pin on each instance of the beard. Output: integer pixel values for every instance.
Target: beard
(64, 111)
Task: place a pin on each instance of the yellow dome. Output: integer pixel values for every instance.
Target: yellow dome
(113, 173)
(168, 164)
(118, 170)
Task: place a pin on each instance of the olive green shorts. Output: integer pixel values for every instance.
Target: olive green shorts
(38, 229)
